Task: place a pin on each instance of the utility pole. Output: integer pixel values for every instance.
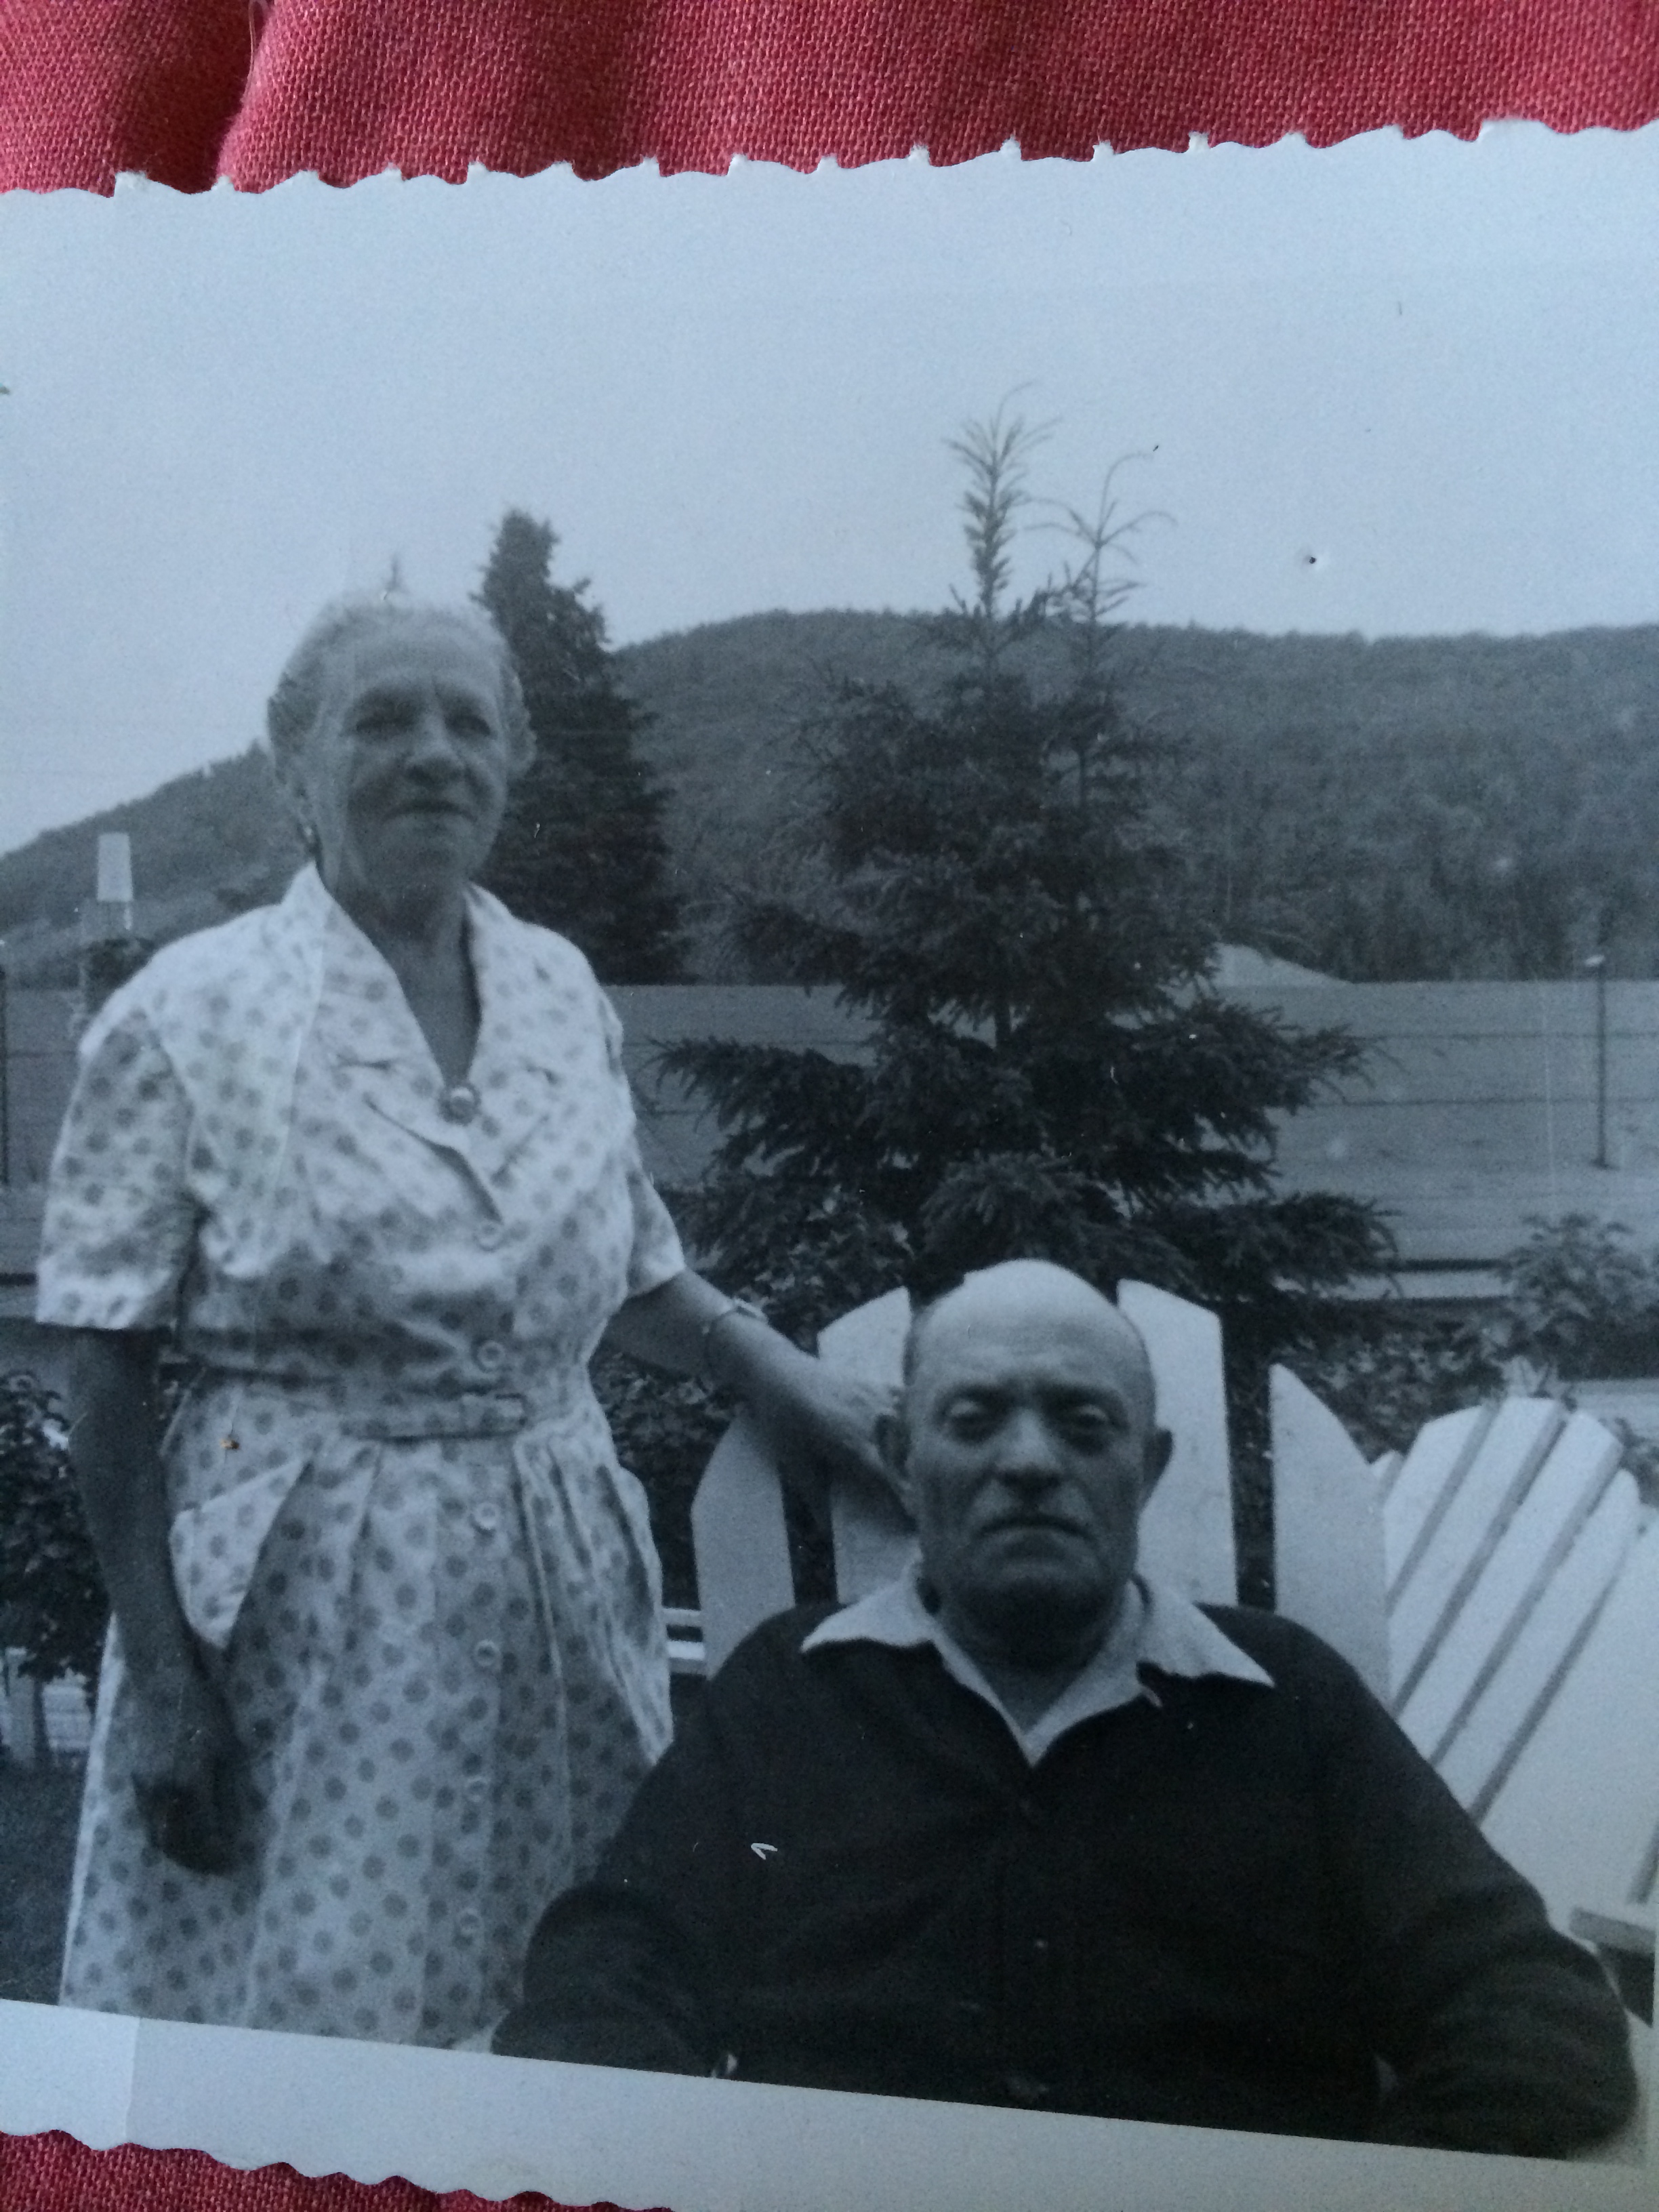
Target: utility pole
(1597, 965)
(5, 1079)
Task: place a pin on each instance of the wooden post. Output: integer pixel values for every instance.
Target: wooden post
(110, 952)
(26, 1714)
(5, 1081)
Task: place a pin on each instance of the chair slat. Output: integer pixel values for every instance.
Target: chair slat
(1522, 1564)
(1496, 1479)
(1645, 1881)
(1328, 1530)
(870, 1340)
(1486, 1745)
(740, 1542)
(1577, 1811)
(873, 1540)
(1187, 1530)
(1424, 1484)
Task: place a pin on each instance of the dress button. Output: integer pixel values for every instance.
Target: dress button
(488, 1235)
(487, 1653)
(469, 1923)
(476, 1788)
(487, 1518)
(491, 1356)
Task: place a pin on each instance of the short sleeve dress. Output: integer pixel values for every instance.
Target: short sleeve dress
(397, 1521)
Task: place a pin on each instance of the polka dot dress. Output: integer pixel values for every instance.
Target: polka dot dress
(398, 1522)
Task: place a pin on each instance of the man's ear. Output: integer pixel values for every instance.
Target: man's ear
(893, 1442)
(1159, 1444)
(285, 774)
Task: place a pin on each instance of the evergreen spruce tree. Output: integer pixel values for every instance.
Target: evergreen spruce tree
(582, 849)
(1049, 1072)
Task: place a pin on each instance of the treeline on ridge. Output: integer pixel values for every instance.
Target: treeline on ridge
(1400, 809)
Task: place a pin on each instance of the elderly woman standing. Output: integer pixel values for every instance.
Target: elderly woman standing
(387, 1662)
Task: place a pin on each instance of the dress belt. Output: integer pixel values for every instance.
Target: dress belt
(391, 1417)
(471, 1415)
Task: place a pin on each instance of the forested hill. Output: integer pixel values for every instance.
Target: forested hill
(204, 846)
(1409, 808)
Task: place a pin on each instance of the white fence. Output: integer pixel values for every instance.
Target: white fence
(39, 1722)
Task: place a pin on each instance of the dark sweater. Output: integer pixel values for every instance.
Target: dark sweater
(1223, 1909)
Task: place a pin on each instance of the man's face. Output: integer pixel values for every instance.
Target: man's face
(1029, 1449)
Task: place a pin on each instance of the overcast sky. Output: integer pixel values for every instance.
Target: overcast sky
(1385, 388)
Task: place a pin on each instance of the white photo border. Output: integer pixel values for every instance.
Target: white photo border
(445, 2120)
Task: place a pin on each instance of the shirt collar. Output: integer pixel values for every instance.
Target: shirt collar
(1156, 1628)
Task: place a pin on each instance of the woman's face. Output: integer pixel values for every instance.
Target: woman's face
(405, 774)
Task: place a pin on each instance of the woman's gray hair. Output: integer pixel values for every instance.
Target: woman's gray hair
(302, 692)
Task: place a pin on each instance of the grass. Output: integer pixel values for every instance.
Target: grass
(38, 1810)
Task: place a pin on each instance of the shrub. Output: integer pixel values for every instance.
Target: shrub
(52, 1595)
(1386, 1369)
(1582, 1300)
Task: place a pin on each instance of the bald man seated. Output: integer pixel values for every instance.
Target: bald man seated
(1025, 1828)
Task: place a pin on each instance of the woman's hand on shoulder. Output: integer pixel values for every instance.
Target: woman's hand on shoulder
(819, 1422)
(185, 1768)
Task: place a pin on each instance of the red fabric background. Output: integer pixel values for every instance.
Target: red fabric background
(188, 89)
(184, 90)
(54, 2174)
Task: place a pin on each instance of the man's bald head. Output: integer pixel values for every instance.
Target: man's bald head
(1032, 1288)
(1026, 1444)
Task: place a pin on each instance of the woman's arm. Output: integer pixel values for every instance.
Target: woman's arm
(184, 1757)
(817, 1422)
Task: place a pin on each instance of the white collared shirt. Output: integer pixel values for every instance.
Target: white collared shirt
(1156, 1627)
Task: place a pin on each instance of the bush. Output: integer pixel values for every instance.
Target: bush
(53, 1603)
(1582, 1300)
(1386, 1369)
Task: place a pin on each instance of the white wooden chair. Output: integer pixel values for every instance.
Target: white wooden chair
(1497, 1587)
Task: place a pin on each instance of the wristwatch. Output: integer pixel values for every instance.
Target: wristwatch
(747, 1308)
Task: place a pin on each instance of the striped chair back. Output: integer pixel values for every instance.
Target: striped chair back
(1499, 1587)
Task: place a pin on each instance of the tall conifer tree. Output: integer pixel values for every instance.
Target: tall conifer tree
(1049, 1071)
(583, 849)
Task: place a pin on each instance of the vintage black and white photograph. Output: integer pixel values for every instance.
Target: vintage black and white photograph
(829, 1158)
